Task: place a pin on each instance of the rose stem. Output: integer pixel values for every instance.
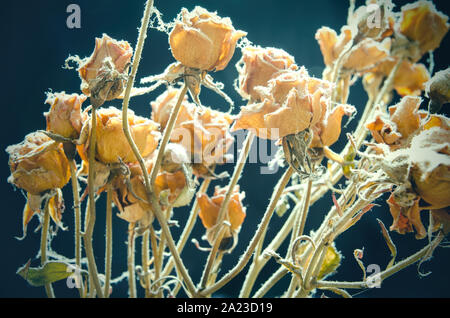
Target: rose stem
(152, 197)
(44, 241)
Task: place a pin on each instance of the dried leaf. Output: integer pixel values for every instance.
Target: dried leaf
(49, 273)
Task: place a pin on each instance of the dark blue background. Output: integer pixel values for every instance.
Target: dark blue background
(35, 43)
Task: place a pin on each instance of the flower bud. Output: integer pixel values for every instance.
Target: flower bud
(65, 117)
(203, 40)
(258, 65)
(102, 73)
(38, 164)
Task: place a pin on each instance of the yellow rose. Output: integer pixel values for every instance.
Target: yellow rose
(111, 141)
(203, 40)
(258, 65)
(38, 164)
(421, 22)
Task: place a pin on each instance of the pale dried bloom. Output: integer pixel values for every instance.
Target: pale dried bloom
(172, 188)
(293, 102)
(111, 142)
(38, 164)
(205, 135)
(209, 212)
(102, 73)
(203, 40)
(422, 23)
(258, 65)
(65, 117)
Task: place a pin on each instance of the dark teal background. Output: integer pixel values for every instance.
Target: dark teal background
(35, 43)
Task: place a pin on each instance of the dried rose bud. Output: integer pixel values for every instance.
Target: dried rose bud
(111, 141)
(258, 65)
(421, 22)
(38, 164)
(209, 212)
(102, 73)
(65, 117)
(203, 40)
(438, 90)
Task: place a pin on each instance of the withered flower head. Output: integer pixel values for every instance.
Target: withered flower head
(172, 188)
(409, 79)
(209, 212)
(438, 89)
(430, 157)
(422, 23)
(406, 217)
(203, 40)
(38, 164)
(258, 65)
(205, 135)
(111, 141)
(102, 74)
(65, 117)
(293, 102)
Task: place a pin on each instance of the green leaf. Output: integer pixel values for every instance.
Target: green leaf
(49, 273)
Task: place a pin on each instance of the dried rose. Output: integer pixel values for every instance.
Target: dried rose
(293, 102)
(111, 141)
(421, 22)
(38, 164)
(258, 65)
(203, 40)
(438, 89)
(409, 79)
(205, 135)
(65, 117)
(209, 212)
(430, 158)
(102, 73)
(405, 217)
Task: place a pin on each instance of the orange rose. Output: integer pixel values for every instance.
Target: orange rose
(409, 79)
(204, 135)
(65, 117)
(101, 73)
(209, 211)
(203, 40)
(421, 22)
(170, 187)
(258, 65)
(111, 141)
(293, 102)
(38, 164)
